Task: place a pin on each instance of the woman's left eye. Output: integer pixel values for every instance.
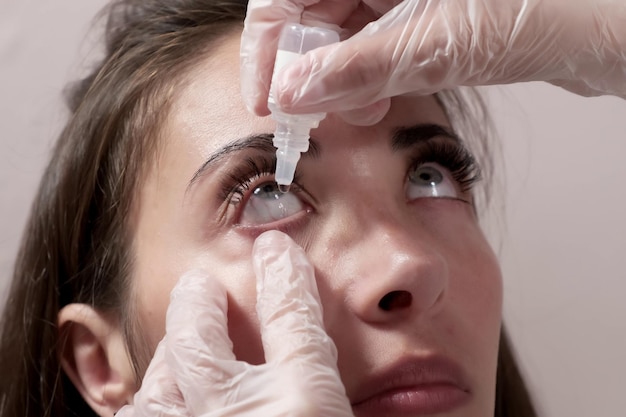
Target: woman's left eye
(267, 204)
(430, 180)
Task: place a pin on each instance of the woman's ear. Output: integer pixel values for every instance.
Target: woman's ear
(94, 357)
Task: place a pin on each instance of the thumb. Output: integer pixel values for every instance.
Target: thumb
(159, 394)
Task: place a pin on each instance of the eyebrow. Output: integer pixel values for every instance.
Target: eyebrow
(407, 137)
(262, 142)
(402, 138)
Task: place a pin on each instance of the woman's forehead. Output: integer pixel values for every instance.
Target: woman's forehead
(210, 108)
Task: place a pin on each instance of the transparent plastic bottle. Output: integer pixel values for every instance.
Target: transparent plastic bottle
(291, 137)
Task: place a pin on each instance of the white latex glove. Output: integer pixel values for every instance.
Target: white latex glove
(424, 46)
(195, 373)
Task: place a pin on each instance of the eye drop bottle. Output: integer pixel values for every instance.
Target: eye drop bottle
(291, 137)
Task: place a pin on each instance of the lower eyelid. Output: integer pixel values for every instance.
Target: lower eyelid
(286, 225)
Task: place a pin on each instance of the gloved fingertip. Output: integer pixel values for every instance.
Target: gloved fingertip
(278, 262)
(256, 107)
(271, 239)
(255, 101)
(288, 302)
(368, 115)
(259, 108)
(159, 352)
(190, 280)
(126, 411)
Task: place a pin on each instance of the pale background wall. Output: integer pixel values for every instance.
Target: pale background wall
(563, 249)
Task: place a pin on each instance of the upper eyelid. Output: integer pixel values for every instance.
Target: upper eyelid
(252, 182)
(256, 142)
(251, 172)
(452, 155)
(244, 173)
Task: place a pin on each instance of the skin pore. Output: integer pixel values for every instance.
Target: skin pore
(361, 207)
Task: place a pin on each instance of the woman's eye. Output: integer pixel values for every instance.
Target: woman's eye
(267, 204)
(430, 180)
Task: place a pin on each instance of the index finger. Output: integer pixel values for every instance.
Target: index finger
(288, 303)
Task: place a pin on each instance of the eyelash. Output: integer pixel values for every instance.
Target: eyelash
(454, 157)
(237, 183)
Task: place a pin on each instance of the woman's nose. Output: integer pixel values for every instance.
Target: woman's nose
(394, 273)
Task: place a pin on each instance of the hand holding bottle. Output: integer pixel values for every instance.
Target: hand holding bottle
(424, 46)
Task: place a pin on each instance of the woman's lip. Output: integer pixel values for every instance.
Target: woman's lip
(412, 386)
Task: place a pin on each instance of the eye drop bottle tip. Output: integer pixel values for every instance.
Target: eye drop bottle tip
(286, 161)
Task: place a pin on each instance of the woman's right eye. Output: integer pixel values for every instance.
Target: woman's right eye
(267, 204)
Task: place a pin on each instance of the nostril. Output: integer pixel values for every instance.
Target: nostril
(395, 300)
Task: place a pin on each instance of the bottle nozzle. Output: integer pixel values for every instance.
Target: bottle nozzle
(286, 162)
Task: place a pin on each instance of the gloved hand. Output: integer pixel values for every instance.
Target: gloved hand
(195, 373)
(423, 46)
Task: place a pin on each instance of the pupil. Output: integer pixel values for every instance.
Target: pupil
(427, 175)
(269, 191)
(267, 188)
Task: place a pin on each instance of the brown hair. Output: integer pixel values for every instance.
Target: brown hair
(76, 247)
(77, 244)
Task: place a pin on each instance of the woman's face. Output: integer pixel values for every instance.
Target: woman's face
(383, 212)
